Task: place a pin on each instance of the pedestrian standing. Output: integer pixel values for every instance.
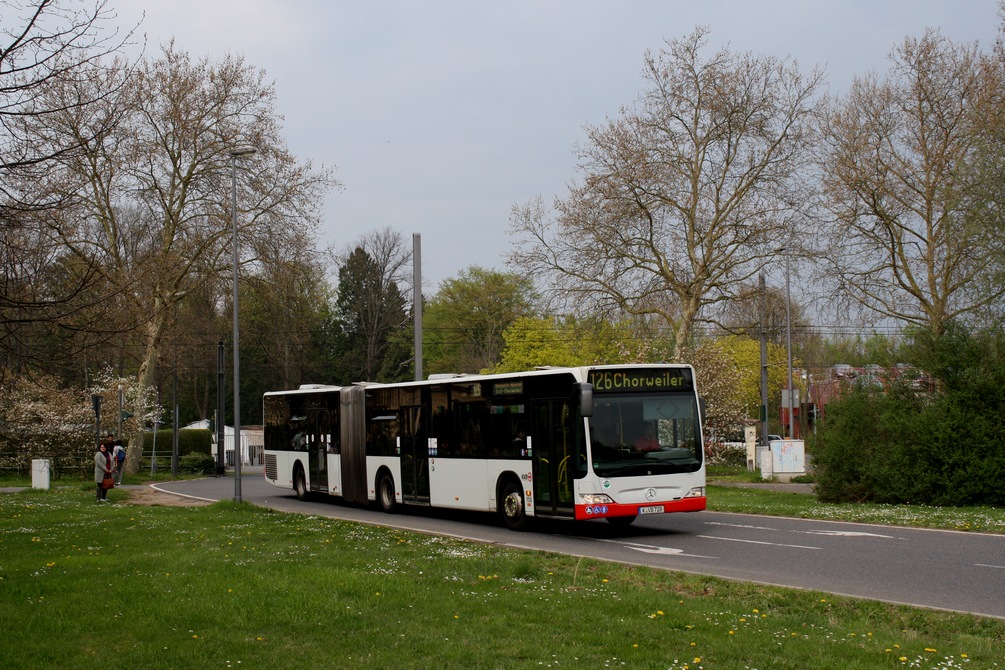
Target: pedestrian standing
(102, 466)
(119, 460)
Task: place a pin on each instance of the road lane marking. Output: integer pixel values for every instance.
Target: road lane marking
(737, 525)
(652, 549)
(770, 544)
(845, 533)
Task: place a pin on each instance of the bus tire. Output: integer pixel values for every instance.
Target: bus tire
(511, 506)
(385, 492)
(621, 520)
(300, 484)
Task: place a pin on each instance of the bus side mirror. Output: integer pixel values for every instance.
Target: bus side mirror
(586, 399)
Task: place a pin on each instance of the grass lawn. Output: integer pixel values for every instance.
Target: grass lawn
(802, 505)
(85, 585)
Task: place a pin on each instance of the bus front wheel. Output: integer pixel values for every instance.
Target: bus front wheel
(512, 507)
(385, 493)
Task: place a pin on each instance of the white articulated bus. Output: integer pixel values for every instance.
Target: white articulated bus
(604, 442)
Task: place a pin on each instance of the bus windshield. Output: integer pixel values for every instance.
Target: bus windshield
(638, 435)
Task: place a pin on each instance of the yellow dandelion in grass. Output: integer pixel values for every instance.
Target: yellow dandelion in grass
(732, 632)
(902, 659)
(697, 659)
(964, 656)
(635, 646)
(930, 650)
(660, 612)
(195, 637)
(605, 581)
(756, 611)
(456, 616)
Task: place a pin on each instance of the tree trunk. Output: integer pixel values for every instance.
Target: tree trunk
(146, 377)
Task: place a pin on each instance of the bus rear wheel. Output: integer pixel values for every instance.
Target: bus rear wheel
(300, 484)
(514, 513)
(385, 493)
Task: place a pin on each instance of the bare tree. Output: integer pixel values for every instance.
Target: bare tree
(152, 199)
(915, 240)
(745, 314)
(374, 280)
(43, 293)
(47, 44)
(685, 196)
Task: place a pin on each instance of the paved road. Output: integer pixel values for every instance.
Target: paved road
(962, 572)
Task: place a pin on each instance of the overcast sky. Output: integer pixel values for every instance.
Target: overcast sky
(438, 116)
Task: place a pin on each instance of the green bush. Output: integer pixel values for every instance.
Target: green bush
(904, 445)
(197, 463)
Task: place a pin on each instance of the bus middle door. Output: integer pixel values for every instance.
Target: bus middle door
(414, 455)
(552, 441)
(318, 436)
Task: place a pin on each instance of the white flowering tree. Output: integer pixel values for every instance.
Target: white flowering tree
(138, 400)
(718, 378)
(41, 417)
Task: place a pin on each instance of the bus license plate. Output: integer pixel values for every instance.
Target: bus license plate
(651, 509)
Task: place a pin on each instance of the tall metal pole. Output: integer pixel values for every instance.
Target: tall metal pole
(174, 419)
(764, 364)
(234, 153)
(788, 342)
(417, 301)
(220, 400)
(153, 454)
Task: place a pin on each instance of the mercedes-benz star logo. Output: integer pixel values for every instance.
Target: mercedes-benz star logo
(650, 494)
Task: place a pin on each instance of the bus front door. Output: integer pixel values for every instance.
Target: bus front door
(414, 456)
(552, 441)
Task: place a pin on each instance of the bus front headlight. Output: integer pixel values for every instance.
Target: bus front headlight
(696, 492)
(596, 499)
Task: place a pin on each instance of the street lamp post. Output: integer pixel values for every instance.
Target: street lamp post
(234, 154)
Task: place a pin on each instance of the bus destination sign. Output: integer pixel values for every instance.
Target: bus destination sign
(636, 380)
